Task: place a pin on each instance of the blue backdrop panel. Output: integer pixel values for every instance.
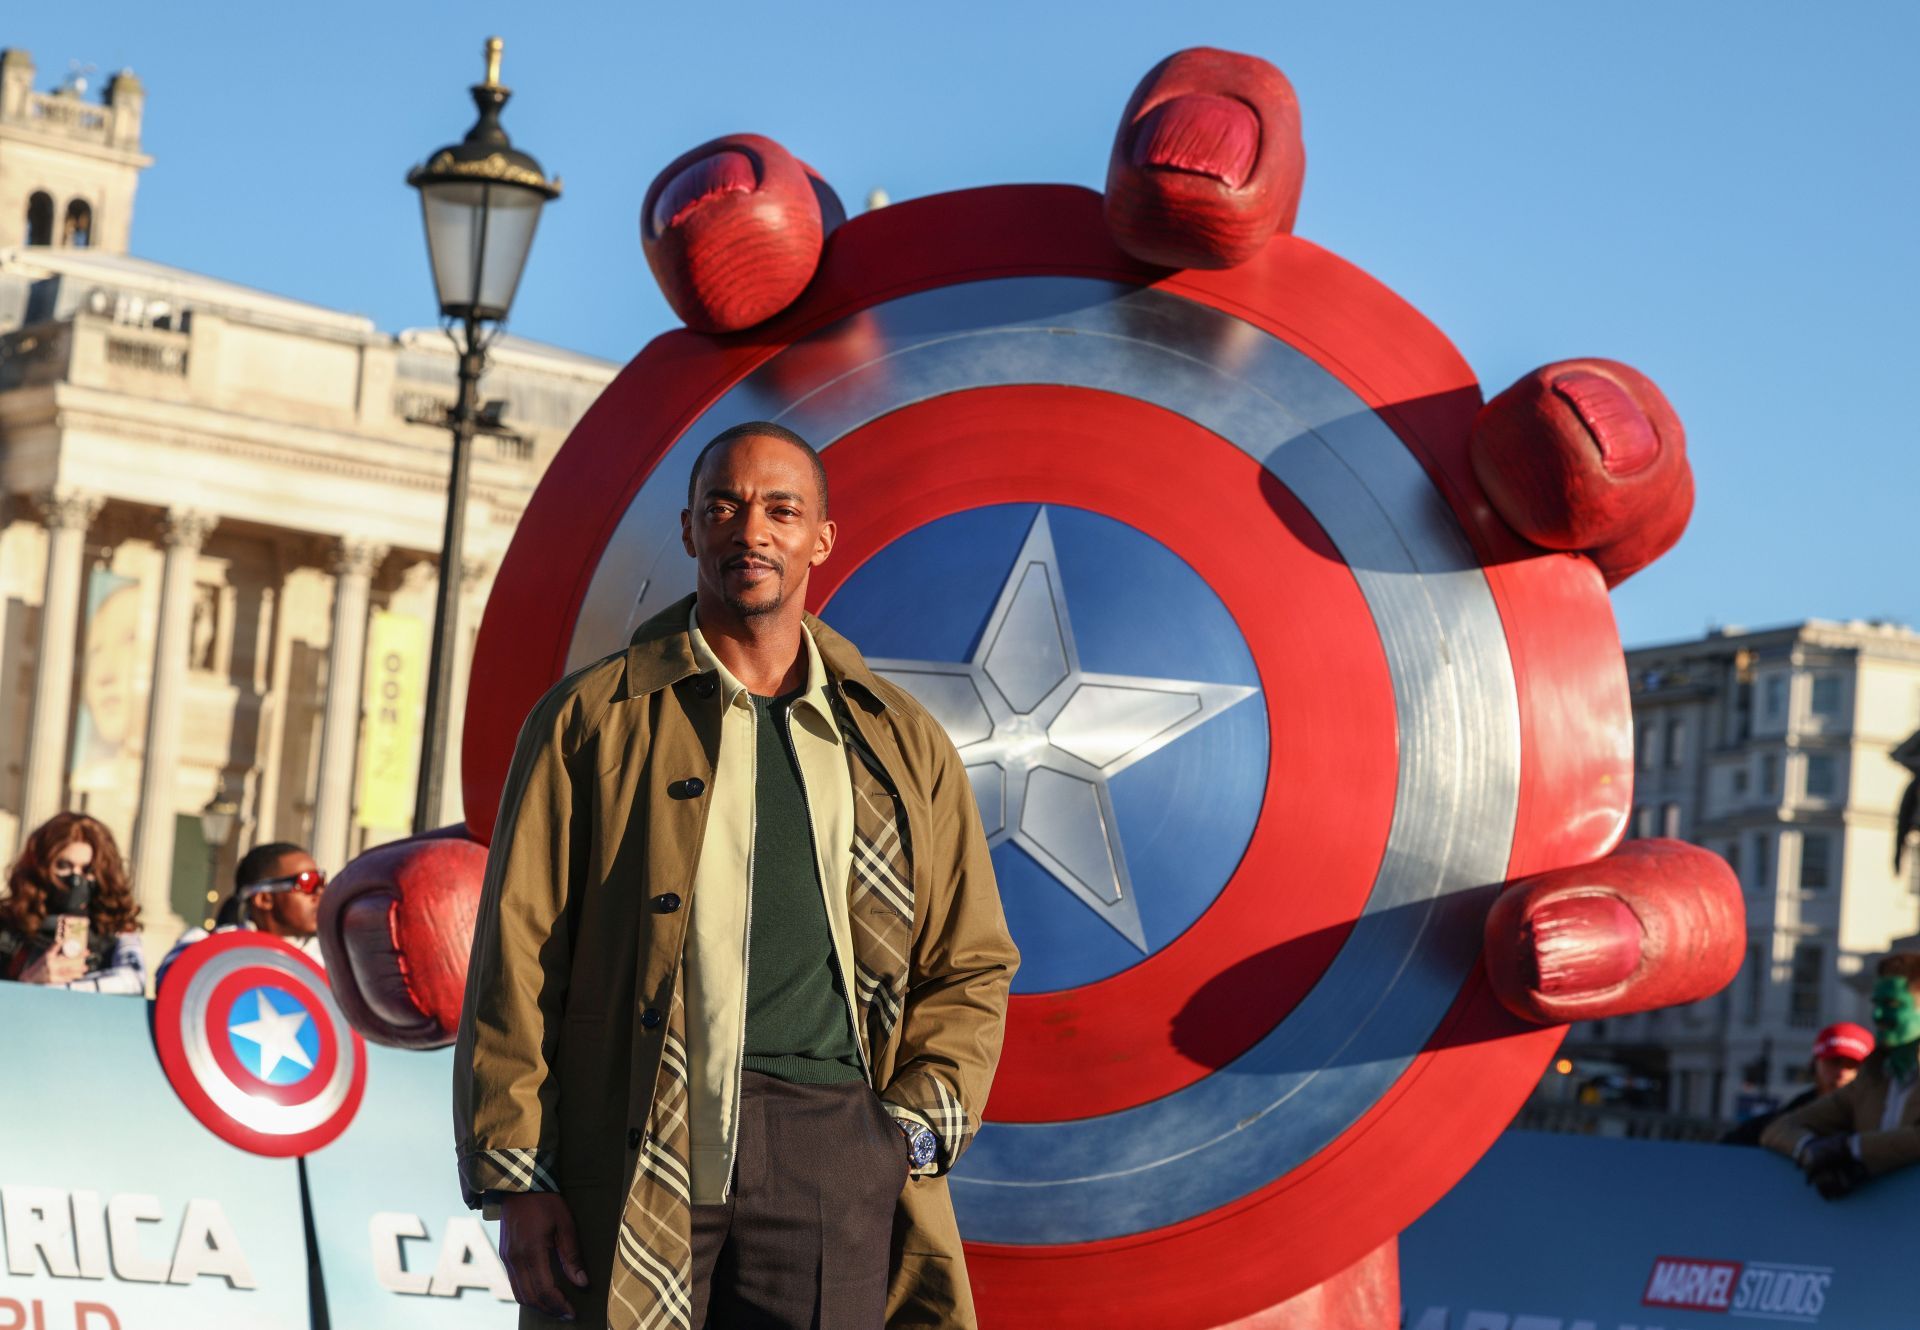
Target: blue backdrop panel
(1575, 1233)
(397, 1246)
(112, 1194)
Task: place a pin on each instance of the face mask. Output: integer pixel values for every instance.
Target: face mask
(71, 893)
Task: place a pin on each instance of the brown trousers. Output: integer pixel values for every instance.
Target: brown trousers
(802, 1241)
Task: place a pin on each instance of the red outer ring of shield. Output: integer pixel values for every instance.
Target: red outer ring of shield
(220, 1016)
(1217, 989)
(169, 1042)
(1576, 774)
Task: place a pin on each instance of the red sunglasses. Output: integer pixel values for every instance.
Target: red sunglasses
(307, 883)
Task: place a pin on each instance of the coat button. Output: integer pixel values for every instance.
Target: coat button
(706, 685)
(690, 788)
(650, 1018)
(666, 902)
(633, 1138)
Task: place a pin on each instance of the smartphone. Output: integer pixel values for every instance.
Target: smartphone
(70, 938)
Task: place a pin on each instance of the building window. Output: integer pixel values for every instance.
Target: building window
(1769, 773)
(1763, 861)
(1826, 695)
(1676, 742)
(1816, 853)
(1643, 823)
(1731, 853)
(40, 219)
(1670, 821)
(1740, 780)
(1809, 963)
(1756, 984)
(1774, 698)
(1823, 776)
(77, 229)
(1643, 743)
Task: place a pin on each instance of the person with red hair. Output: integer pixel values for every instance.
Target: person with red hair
(71, 871)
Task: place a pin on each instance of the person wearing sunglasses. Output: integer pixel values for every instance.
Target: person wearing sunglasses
(277, 888)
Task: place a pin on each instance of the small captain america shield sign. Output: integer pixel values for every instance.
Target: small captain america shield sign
(255, 1047)
(1195, 573)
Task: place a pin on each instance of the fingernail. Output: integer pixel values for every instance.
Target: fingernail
(1620, 429)
(1583, 944)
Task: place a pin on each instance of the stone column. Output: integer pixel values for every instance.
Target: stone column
(67, 516)
(353, 565)
(182, 534)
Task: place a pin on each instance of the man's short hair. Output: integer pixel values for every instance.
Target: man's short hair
(760, 429)
(1901, 965)
(255, 863)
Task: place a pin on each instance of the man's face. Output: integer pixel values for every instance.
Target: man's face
(287, 913)
(1832, 1072)
(1895, 1016)
(755, 527)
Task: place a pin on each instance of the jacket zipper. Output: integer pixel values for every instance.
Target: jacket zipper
(846, 989)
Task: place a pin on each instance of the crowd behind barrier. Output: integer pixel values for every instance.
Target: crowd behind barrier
(68, 917)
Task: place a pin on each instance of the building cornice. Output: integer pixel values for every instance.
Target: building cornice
(294, 446)
(131, 158)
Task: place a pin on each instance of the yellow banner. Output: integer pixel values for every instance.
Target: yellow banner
(390, 730)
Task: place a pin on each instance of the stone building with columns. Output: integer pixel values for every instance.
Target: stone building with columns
(212, 500)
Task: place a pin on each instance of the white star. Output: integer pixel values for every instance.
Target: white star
(1041, 737)
(277, 1034)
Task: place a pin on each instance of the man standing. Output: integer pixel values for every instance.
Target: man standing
(1870, 1126)
(740, 971)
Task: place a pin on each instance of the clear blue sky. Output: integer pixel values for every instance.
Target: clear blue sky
(1721, 194)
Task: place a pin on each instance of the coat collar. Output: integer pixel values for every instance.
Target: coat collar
(661, 655)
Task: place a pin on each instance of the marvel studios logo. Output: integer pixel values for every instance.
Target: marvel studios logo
(1761, 1290)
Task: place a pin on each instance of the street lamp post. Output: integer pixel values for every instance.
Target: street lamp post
(481, 200)
(216, 826)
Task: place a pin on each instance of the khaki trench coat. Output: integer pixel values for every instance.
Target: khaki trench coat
(569, 1039)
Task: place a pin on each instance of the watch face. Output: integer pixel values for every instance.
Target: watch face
(922, 1146)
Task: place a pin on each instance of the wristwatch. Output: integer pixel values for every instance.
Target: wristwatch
(921, 1142)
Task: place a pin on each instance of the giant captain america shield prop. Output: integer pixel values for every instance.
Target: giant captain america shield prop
(252, 1042)
(1258, 702)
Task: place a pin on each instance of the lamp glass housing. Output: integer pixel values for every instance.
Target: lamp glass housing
(216, 822)
(478, 235)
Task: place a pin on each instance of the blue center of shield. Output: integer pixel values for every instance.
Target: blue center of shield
(1106, 707)
(273, 1035)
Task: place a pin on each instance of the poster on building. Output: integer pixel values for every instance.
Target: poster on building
(390, 739)
(107, 730)
(117, 1208)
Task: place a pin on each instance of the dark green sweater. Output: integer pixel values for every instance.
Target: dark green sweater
(797, 1024)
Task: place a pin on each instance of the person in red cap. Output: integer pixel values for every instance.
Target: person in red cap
(1871, 1126)
(1838, 1052)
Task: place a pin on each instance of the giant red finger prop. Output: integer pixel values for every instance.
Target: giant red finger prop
(1207, 162)
(1587, 455)
(733, 229)
(1654, 924)
(396, 925)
